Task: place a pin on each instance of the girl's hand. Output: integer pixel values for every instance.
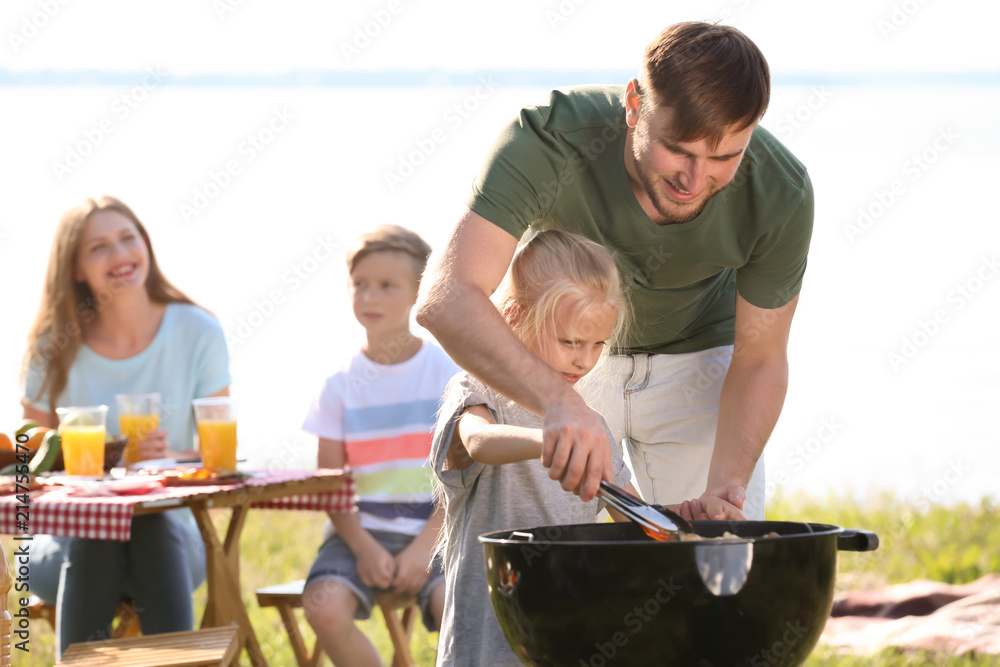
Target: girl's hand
(376, 567)
(411, 570)
(155, 445)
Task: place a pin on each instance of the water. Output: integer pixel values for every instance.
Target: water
(250, 193)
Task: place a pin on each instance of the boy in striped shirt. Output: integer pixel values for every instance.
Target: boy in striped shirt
(377, 415)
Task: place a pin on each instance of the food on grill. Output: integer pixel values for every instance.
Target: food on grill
(693, 537)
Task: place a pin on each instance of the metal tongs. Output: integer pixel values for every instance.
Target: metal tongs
(658, 522)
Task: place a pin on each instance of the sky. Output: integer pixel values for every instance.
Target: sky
(256, 36)
(862, 88)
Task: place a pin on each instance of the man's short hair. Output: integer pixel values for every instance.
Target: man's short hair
(390, 238)
(713, 77)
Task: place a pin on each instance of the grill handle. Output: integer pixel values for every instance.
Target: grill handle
(857, 540)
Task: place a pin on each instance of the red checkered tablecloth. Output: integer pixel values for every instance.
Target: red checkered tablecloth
(69, 514)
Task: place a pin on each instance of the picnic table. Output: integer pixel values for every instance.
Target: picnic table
(64, 511)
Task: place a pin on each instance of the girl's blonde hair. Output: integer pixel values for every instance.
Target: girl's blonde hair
(556, 267)
(68, 307)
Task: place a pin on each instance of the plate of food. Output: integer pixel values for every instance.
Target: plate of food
(201, 477)
(129, 486)
(107, 486)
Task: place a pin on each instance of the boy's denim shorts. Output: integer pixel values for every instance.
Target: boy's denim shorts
(336, 562)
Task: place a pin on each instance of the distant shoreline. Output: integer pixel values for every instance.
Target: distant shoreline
(397, 78)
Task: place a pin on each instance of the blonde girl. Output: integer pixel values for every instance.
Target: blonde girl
(563, 298)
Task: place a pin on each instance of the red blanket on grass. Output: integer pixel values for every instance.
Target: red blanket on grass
(929, 615)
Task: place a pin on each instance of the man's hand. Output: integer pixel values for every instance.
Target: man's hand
(376, 566)
(751, 400)
(411, 570)
(575, 447)
(725, 502)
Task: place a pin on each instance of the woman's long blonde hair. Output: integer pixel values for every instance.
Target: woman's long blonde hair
(556, 267)
(69, 307)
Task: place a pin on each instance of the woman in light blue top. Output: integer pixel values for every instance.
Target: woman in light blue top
(109, 322)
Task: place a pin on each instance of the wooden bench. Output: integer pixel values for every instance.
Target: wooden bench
(126, 616)
(216, 647)
(195, 648)
(192, 650)
(400, 617)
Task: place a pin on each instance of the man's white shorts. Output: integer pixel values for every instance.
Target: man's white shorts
(663, 410)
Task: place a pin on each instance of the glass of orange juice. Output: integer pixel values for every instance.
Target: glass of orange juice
(216, 417)
(138, 416)
(81, 430)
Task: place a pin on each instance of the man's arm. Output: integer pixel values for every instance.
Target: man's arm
(454, 306)
(752, 396)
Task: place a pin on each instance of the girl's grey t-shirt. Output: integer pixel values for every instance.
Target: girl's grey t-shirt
(484, 498)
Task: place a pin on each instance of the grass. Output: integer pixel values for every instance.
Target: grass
(938, 543)
(935, 543)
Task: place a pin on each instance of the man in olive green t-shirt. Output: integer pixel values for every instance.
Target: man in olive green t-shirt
(709, 218)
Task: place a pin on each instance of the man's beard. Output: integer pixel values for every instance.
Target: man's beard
(671, 212)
